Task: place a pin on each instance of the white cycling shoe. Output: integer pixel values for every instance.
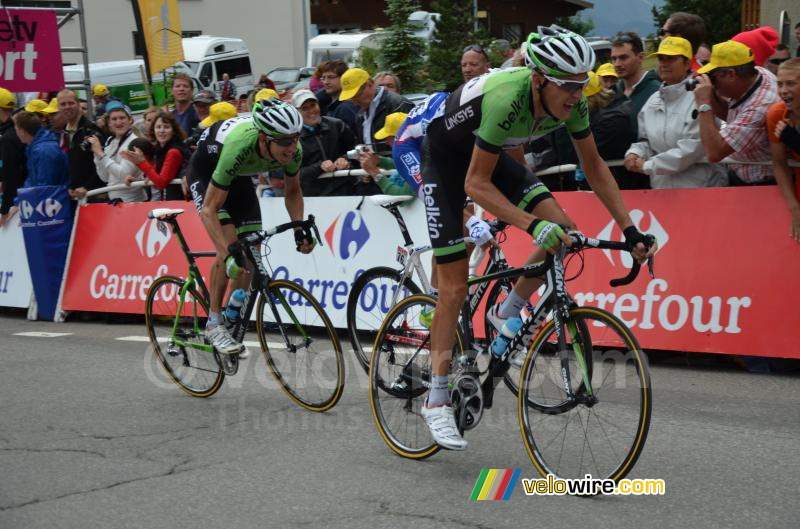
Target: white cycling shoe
(442, 424)
(222, 341)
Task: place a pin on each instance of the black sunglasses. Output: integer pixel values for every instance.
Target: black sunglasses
(285, 142)
(663, 32)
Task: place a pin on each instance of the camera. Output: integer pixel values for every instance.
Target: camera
(690, 84)
(85, 145)
(357, 151)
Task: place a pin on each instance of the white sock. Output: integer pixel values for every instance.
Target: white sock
(439, 394)
(214, 319)
(511, 306)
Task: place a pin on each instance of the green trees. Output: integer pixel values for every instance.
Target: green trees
(722, 17)
(401, 52)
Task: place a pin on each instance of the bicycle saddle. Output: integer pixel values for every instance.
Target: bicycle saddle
(163, 213)
(388, 201)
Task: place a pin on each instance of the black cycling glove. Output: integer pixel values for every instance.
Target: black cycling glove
(633, 237)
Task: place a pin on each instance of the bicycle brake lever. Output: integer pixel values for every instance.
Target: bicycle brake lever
(651, 266)
(315, 229)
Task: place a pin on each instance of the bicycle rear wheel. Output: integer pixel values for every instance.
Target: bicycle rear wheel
(177, 336)
(400, 371)
(602, 428)
(369, 301)
(300, 346)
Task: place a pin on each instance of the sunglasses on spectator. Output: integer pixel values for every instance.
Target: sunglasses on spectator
(568, 85)
(286, 142)
(664, 32)
(477, 49)
(778, 61)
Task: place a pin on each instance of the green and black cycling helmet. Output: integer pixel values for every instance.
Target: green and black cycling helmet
(276, 118)
(553, 50)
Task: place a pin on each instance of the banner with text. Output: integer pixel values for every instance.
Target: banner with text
(30, 50)
(15, 278)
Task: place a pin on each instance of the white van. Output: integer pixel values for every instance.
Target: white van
(124, 81)
(344, 46)
(209, 57)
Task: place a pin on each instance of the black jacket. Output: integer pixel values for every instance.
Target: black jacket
(82, 172)
(331, 139)
(343, 110)
(389, 103)
(14, 169)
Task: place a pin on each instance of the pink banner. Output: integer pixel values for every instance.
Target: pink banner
(30, 51)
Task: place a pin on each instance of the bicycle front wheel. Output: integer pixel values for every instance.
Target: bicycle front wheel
(600, 429)
(399, 376)
(176, 329)
(373, 294)
(300, 345)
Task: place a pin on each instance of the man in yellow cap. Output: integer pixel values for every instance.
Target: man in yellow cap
(374, 103)
(13, 155)
(731, 73)
(101, 96)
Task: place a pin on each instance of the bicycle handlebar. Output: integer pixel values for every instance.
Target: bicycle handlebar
(308, 226)
(580, 241)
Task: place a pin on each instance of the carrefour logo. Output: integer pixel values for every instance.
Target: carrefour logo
(653, 227)
(152, 238)
(25, 209)
(344, 237)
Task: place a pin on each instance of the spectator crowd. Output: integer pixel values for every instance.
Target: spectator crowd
(726, 114)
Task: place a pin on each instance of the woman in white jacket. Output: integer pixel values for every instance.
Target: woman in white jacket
(669, 149)
(112, 168)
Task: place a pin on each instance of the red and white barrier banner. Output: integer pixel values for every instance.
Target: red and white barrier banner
(30, 50)
(117, 252)
(15, 277)
(726, 269)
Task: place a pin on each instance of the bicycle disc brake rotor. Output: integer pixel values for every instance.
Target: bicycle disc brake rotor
(467, 399)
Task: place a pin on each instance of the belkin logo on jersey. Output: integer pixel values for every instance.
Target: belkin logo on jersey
(516, 108)
(459, 117)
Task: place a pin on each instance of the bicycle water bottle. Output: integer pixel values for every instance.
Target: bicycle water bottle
(235, 305)
(510, 329)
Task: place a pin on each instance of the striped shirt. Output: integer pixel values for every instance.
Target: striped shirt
(745, 129)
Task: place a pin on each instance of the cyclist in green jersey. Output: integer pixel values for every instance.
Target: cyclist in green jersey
(228, 154)
(475, 148)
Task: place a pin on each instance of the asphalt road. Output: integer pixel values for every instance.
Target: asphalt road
(91, 436)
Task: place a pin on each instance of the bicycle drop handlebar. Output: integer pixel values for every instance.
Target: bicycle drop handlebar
(580, 241)
(308, 226)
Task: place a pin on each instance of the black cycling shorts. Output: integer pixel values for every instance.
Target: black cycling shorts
(443, 177)
(241, 208)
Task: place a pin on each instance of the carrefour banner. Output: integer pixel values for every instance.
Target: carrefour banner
(117, 252)
(46, 225)
(15, 278)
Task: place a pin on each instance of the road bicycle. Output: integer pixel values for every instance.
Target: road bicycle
(298, 341)
(378, 289)
(584, 399)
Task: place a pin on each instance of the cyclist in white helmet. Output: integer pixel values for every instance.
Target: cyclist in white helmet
(228, 154)
(476, 148)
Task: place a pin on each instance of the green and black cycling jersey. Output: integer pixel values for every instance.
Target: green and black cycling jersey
(228, 157)
(495, 112)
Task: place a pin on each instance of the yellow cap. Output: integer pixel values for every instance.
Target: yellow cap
(266, 93)
(674, 46)
(391, 125)
(593, 86)
(727, 55)
(40, 107)
(218, 112)
(7, 99)
(100, 90)
(53, 106)
(352, 80)
(606, 69)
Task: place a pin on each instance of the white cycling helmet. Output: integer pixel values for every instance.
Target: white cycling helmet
(276, 118)
(554, 50)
